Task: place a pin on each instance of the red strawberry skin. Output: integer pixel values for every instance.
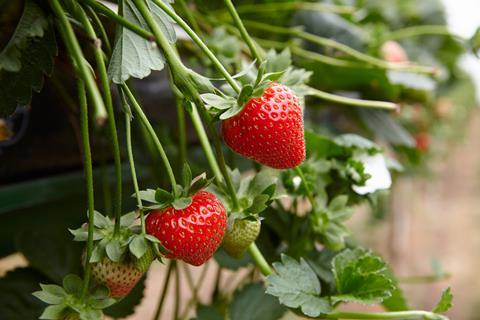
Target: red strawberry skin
(192, 234)
(269, 129)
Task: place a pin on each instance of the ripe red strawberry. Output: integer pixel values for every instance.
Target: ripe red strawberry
(192, 234)
(422, 141)
(119, 277)
(269, 129)
(238, 239)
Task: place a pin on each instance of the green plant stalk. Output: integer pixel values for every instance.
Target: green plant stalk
(221, 158)
(128, 134)
(296, 32)
(194, 299)
(245, 36)
(425, 30)
(182, 137)
(206, 146)
(107, 96)
(164, 291)
(218, 65)
(190, 18)
(103, 32)
(351, 101)
(75, 51)
(310, 196)
(87, 160)
(259, 259)
(293, 6)
(100, 8)
(424, 279)
(151, 131)
(413, 314)
(176, 308)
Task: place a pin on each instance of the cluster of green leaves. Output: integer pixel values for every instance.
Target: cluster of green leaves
(179, 199)
(66, 302)
(115, 246)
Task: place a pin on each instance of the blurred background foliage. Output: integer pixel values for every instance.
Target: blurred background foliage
(41, 179)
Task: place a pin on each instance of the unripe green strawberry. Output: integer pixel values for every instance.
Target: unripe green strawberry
(119, 277)
(145, 261)
(242, 234)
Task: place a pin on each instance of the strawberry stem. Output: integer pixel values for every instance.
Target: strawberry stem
(259, 259)
(298, 33)
(351, 101)
(206, 146)
(411, 314)
(425, 30)
(88, 181)
(163, 293)
(246, 37)
(182, 138)
(85, 81)
(309, 193)
(75, 51)
(128, 133)
(107, 96)
(153, 135)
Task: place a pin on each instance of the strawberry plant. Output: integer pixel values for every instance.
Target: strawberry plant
(285, 110)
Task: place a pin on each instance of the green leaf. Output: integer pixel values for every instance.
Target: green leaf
(72, 284)
(208, 313)
(353, 141)
(32, 24)
(114, 250)
(91, 314)
(132, 55)
(138, 246)
(360, 277)
(245, 94)
(101, 221)
(251, 303)
(53, 312)
(258, 204)
(296, 286)
(163, 197)
(48, 297)
(445, 302)
(147, 195)
(36, 61)
(218, 102)
(181, 203)
(328, 224)
(278, 62)
(233, 111)
(128, 219)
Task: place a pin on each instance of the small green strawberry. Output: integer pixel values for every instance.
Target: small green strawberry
(145, 261)
(240, 236)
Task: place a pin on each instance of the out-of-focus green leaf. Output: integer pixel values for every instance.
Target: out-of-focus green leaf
(252, 303)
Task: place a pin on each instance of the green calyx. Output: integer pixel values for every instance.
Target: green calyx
(65, 303)
(161, 198)
(275, 68)
(241, 235)
(117, 246)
